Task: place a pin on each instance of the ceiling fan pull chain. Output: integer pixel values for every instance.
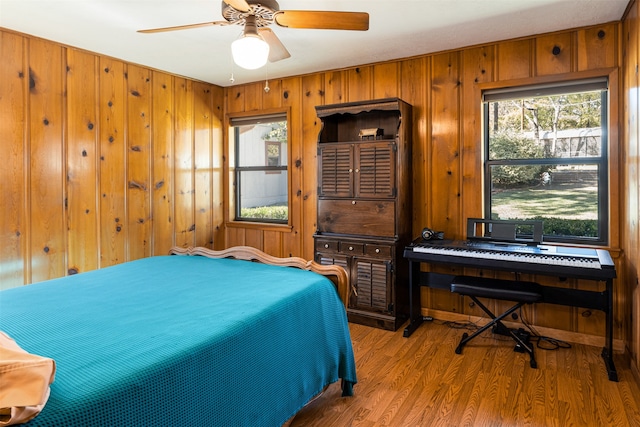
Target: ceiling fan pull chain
(232, 79)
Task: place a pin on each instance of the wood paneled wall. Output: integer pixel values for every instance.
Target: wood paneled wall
(444, 89)
(106, 161)
(631, 180)
(103, 161)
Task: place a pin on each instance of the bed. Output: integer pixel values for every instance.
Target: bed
(197, 338)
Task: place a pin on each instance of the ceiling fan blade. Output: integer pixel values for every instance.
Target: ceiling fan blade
(277, 51)
(240, 5)
(183, 27)
(322, 20)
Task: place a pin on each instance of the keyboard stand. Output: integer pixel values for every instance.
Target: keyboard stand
(596, 300)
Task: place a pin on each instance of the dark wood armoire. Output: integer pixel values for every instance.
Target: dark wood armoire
(364, 204)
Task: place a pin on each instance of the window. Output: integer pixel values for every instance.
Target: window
(260, 168)
(546, 158)
(272, 153)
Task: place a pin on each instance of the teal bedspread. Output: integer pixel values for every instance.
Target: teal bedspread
(182, 341)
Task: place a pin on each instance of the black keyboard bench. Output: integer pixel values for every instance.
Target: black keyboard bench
(507, 290)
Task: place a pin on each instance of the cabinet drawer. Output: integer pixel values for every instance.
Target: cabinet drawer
(326, 245)
(351, 248)
(378, 251)
(358, 217)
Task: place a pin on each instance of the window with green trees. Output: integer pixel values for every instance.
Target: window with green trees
(546, 158)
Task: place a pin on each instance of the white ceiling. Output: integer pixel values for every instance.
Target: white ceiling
(397, 29)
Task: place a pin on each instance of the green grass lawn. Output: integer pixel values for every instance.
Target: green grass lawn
(565, 209)
(277, 212)
(567, 201)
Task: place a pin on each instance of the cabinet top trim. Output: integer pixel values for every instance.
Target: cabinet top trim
(387, 104)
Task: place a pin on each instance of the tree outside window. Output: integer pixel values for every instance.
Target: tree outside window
(546, 158)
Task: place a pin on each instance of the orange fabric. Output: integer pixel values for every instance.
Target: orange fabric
(24, 382)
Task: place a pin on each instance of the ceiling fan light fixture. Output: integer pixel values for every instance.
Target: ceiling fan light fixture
(258, 44)
(250, 51)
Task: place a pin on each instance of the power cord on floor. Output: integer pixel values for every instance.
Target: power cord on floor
(543, 342)
(469, 326)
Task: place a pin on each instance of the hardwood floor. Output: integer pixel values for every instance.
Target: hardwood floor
(420, 381)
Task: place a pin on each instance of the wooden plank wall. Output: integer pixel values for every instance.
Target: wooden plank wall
(631, 187)
(444, 89)
(106, 161)
(103, 161)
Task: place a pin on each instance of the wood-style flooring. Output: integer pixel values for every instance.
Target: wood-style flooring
(420, 381)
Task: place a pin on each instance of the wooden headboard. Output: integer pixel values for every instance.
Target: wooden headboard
(335, 273)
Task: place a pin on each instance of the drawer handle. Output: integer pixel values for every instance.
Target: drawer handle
(357, 170)
(326, 246)
(377, 250)
(350, 170)
(350, 248)
(353, 202)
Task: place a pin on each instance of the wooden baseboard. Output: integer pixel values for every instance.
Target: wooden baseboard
(635, 371)
(559, 334)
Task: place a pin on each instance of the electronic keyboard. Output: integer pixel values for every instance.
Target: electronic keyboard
(563, 261)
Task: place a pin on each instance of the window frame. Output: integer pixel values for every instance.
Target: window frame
(603, 162)
(235, 170)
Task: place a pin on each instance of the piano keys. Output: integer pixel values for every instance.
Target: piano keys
(562, 261)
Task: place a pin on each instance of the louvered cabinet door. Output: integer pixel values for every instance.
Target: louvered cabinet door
(336, 170)
(328, 253)
(371, 283)
(330, 259)
(374, 170)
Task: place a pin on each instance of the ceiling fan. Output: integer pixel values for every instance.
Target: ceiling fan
(260, 43)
